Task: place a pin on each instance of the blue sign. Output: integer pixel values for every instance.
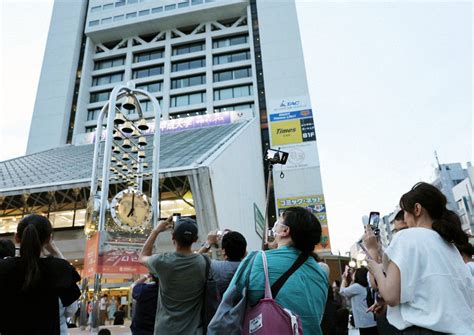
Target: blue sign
(307, 113)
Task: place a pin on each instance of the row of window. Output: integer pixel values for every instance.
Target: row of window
(119, 3)
(230, 58)
(107, 79)
(233, 108)
(147, 72)
(219, 94)
(188, 65)
(188, 99)
(178, 50)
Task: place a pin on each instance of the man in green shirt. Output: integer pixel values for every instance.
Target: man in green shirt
(181, 277)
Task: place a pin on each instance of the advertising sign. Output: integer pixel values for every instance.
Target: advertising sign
(105, 254)
(259, 221)
(292, 130)
(316, 204)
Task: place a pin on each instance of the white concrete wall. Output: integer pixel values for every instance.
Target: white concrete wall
(238, 182)
(49, 124)
(285, 76)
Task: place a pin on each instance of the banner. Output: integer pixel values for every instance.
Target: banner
(316, 204)
(292, 130)
(105, 254)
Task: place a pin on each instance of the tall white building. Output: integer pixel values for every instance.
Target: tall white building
(197, 57)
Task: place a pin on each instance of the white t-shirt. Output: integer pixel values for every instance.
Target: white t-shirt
(470, 266)
(103, 304)
(437, 289)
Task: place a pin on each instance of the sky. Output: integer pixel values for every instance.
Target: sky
(390, 83)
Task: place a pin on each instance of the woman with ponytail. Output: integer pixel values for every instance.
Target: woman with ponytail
(297, 232)
(32, 284)
(423, 278)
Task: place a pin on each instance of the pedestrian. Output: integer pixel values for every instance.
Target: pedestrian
(31, 285)
(119, 316)
(111, 309)
(103, 304)
(7, 248)
(424, 280)
(358, 292)
(146, 298)
(297, 232)
(182, 275)
(66, 313)
(234, 248)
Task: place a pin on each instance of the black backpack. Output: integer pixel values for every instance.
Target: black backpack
(212, 297)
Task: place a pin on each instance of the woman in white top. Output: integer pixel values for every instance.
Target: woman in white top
(423, 278)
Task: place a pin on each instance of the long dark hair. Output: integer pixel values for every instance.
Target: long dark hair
(32, 231)
(305, 229)
(445, 222)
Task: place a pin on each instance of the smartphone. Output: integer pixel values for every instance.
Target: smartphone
(176, 217)
(374, 219)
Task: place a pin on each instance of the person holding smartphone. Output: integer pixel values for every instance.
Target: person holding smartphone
(357, 293)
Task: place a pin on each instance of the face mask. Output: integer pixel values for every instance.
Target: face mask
(274, 233)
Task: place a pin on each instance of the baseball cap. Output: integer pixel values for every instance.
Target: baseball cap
(185, 230)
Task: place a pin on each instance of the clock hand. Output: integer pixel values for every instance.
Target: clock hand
(133, 205)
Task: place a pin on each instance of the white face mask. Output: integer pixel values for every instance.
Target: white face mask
(274, 233)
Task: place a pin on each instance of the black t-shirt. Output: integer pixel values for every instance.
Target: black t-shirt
(146, 296)
(35, 312)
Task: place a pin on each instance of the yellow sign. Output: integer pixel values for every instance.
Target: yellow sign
(317, 206)
(286, 132)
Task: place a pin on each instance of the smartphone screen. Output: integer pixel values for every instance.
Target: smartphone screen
(374, 219)
(176, 216)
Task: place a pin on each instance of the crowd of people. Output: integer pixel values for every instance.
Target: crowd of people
(422, 283)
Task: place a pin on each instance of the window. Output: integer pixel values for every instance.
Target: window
(147, 106)
(132, 1)
(183, 4)
(151, 87)
(90, 129)
(131, 15)
(156, 10)
(93, 114)
(93, 23)
(233, 108)
(107, 79)
(233, 57)
(118, 18)
(147, 72)
(170, 7)
(108, 63)
(188, 81)
(229, 41)
(196, 2)
(233, 92)
(188, 99)
(188, 65)
(119, 3)
(232, 74)
(188, 48)
(144, 12)
(108, 6)
(100, 96)
(146, 56)
(106, 20)
(95, 9)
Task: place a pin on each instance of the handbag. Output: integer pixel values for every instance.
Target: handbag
(268, 317)
(229, 316)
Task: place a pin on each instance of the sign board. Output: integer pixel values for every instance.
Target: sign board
(292, 130)
(105, 254)
(318, 207)
(259, 221)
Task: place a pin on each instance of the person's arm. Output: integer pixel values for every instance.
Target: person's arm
(389, 284)
(147, 249)
(53, 250)
(372, 244)
(212, 238)
(345, 290)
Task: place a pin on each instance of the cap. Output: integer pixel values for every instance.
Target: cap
(185, 229)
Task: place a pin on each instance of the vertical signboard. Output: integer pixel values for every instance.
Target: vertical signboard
(316, 204)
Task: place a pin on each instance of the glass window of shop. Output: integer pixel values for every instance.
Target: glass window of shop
(60, 219)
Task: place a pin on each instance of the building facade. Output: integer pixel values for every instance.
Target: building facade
(198, 57)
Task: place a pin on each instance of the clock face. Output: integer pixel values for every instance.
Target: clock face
(131, 210)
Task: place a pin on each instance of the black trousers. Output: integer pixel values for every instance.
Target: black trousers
(368, 331)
